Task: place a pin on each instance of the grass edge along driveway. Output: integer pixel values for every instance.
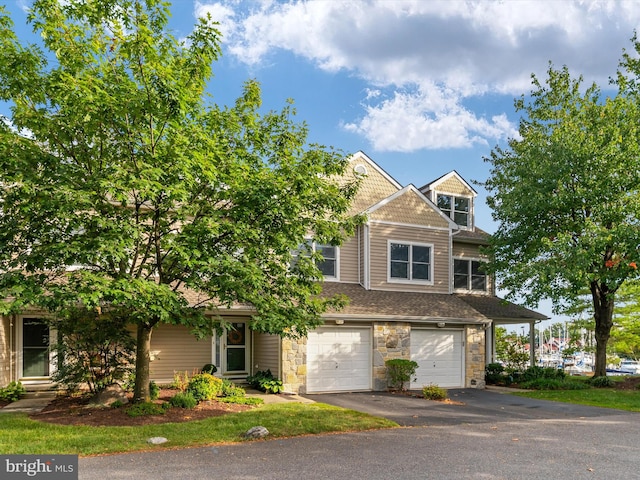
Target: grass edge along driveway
(21, 435)
(628, 400)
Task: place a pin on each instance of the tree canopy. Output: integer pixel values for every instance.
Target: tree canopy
(127, 192)
(565, 194)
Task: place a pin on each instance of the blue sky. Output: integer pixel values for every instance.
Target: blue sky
(422, 87)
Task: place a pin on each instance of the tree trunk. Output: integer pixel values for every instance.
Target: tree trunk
(603, 316)
(141, 391)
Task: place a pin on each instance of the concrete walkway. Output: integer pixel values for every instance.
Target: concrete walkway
(34, 402)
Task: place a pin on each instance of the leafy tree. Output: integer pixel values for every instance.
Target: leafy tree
(565, 195)
(625, 335)
(127, 192)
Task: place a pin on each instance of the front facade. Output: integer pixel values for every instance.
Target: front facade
(413, 274)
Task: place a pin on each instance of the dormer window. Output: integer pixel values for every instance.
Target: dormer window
(456, 208)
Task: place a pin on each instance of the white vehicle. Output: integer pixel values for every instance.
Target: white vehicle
(631, 367)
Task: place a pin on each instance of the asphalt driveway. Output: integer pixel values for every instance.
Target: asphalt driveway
(467, 406)
(486, 435)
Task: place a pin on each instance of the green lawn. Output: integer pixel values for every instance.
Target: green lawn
(597, 397)
(21, 435)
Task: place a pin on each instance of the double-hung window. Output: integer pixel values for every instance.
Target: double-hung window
(456, 208)
(328, 265)
(469, 275)
(410, 262)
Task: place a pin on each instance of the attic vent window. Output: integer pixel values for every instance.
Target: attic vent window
(360, 169)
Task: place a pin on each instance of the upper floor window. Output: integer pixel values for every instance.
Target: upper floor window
(456, 208)
(328, 266)
(410, 262)
(469, 275)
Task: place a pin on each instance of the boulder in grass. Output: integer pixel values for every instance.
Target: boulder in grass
(112, 393)
(157, 440)
(256, 432)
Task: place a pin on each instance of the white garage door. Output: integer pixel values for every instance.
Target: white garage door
(339, 359)
(439, 354)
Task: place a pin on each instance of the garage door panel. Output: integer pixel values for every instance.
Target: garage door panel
(339, 359)
(439, 354)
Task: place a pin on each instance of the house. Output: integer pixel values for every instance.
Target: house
(413, 274)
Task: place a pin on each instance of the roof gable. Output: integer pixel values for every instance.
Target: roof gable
(452, 183)
(410, 206)
(376, 183)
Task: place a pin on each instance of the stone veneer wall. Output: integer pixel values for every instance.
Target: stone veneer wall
(390, 340)
(475, 357)
(294, 365)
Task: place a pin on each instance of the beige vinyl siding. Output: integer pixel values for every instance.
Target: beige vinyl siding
(266, 353)
(381, 233)
(464, 250)
(349, 261)
(454, 186)
(5, 351)
(410, 208)
(472, 252)
(176, 349)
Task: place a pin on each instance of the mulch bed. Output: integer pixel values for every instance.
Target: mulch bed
(75, 410)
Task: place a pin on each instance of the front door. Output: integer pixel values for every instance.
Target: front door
(35, 348)
(236, 351)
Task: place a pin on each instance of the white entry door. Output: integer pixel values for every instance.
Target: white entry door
(440, 357)
(339, 359)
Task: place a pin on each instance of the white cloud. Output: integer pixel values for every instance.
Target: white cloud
(432, 55)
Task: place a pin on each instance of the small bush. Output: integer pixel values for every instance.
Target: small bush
(154, 390)
(494, 374)
(183, 400)
(601, 382)
(434, 392)
(204, 386)
(265, 382)
(12, 392)
(147, 408)
(209, 368)
(399, 371)
(180, 381)
(533, 373)
(229, 389)
(117, 404)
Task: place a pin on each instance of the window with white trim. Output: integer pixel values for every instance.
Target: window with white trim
(410, 262)
(328, 265)
(469, 275)
(456, 208)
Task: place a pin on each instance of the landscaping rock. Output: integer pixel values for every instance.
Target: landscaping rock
(256, 432)
(113, 393)
(157, 440)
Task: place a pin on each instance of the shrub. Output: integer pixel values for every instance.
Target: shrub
(204, 386)
(209, 368)
(183, 400)
(93, 349)
(12, 392)
(180, 381)
(117, 404)
(601, 382)
(434, 392)
(494, 374)
(265, 382)
(154, 390)
(229, 389)
(399, 371)
(533, 373)
(147, 408)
